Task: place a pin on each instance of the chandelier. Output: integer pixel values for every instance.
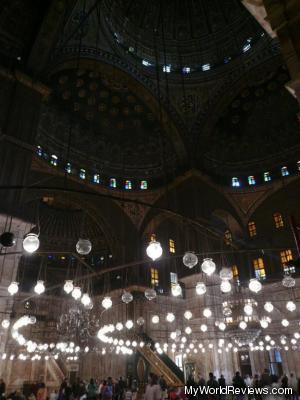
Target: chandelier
(78, 325)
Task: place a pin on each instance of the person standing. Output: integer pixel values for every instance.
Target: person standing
(42, 392)
(92, 390)
(222, 385)
(153, 389)
(239, 383)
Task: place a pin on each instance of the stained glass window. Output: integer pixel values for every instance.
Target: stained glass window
(259, 268)
(96, 178)
(278, 220)
(128, 185)
(69, 168)
(82, 174)
(252, 228)
(267, 177)
(53, 160)
(171, 246)
(251, 180)
(285, 257)
(113, 183)
(235, 182)
(144, 185)
(284, 171)
(154, 277)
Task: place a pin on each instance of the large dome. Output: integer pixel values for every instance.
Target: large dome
(185, 33)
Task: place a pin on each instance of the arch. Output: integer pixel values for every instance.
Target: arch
(139, 85)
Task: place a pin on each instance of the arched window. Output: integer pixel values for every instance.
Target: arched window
(82, 173)
(128, 185)
(227, 237)
(113, 183)
(68, 168)
(285, 257)
(252, 228)
(154, 277)
(267, 177)
(39, 151)
(278, 220)
(171, 246)
(251, 180)
(53, 160)
(235, 182)
(284, 171)
(259, 268)
(144, 185)
(96, 178)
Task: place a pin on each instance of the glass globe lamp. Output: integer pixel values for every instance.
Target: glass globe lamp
(154, 250)
(83, 246)
(106, 303)
(170, 317)
(268, 307)
(225, 286)
(248, 309)
(203, 328)
(176, 290)
(150, 294)
(155, 319)
(222, 326)
(5, 324)
(85, 300)
(226, 274)
(285, 323)
(13, 288)
(290, 306)
(39, 287)
(76, 293)
(68, 286)
(188, 330)
(119, 326)
(264, 323)
(127, 297)
(188, 315)
(288, 281)
(207, 313)
(208, 266)
(31, 242)
(190, 259)
(140, 321)
(200, 288)
(243, 325)
(129, 324)
(255, 285)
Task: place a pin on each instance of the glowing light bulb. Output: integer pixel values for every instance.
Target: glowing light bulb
(68, 286)
(154, 250)
(31, 242)
(13, 288)
(39, 287)
(255, 285)
(76, 293)
(208, 266)
(200, 288)
(106, 303)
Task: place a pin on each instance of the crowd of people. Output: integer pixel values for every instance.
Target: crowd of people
(156, 389)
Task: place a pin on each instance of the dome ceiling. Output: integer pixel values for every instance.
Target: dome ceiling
(259, 129)
(188, 32)
(109, 121)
